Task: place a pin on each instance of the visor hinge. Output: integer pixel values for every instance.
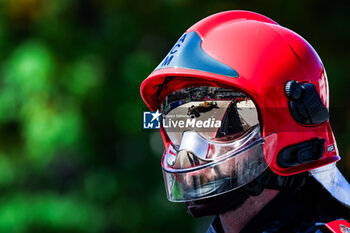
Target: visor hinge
(305, 104)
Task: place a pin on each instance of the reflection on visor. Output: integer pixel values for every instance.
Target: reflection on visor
(215, 142)
(208, 179)
(215, 113)
(211, 150)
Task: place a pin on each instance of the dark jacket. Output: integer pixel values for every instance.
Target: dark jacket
(306, 210)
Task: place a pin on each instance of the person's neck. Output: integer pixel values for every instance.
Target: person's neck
(233, 221)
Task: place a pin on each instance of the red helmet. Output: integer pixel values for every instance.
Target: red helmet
(273, 66)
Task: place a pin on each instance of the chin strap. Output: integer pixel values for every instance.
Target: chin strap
(234, 198)
(218, 204)
(271, 180)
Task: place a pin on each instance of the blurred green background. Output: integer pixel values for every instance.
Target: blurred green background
(73, 156)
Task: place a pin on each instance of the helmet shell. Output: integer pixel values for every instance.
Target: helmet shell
(266, 56)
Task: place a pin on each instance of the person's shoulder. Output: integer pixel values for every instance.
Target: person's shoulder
(321, 226)
(340, 225)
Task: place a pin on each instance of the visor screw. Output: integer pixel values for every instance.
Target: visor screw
(293, 90)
